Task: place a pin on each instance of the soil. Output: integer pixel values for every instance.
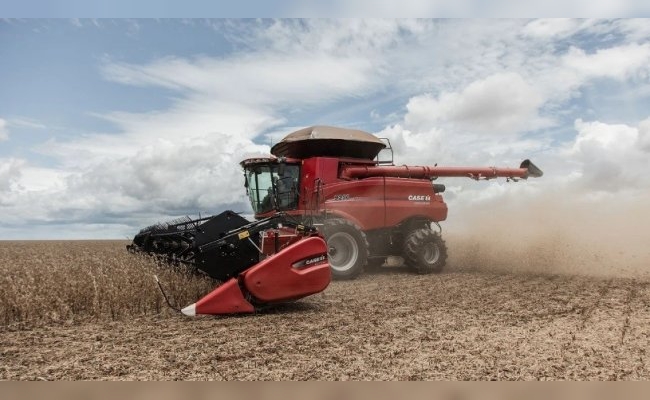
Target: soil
(388, 324)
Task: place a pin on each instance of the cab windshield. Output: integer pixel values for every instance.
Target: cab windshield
(272, 188)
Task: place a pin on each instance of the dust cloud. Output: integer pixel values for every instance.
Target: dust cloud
(606, 236)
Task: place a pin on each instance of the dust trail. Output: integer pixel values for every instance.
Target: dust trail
(553, 234)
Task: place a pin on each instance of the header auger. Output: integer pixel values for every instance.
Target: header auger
(322, 201)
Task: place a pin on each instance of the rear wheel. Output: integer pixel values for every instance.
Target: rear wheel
(347, 248)
(425, 251)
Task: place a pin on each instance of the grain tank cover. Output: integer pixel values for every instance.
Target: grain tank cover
(328, 141)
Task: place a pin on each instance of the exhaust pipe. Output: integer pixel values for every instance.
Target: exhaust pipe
(533, 171)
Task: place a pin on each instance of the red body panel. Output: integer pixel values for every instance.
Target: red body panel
(322, 169)
(379, 202)
(226, 299)
(370, 202)
(297, 271)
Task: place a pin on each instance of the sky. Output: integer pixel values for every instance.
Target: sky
(109, 125)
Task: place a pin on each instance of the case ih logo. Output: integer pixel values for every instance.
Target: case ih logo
(310, 261)
(418, 197)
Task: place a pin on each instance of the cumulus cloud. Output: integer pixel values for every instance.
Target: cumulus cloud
(10, 171)
(611, 157)
(480, 124)
(502, 103)
(172, 178)
(157, 168)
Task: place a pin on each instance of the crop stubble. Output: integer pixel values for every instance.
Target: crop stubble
(89, 310)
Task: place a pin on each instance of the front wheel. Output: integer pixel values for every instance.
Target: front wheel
(347, 248)
(425, 251)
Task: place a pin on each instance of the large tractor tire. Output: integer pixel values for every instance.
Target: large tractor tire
(425, 251)
(347, 248)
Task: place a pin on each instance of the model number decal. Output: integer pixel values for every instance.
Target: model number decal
(418, 197)
(341, 197)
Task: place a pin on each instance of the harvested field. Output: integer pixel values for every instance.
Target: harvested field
(90, 310)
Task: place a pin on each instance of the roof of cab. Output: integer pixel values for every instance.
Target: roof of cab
(322, 140)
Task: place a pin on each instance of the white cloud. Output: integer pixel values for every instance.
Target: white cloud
(610, 156)
(4, 133)
(10, 171)
(593, 136)
(29, 193)
(183, 176)
(189, 122)
(265, 79)
(160, 166)
(501, 103)
(39, 179)
(622, 62)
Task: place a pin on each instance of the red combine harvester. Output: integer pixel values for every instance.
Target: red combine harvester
(322, 201)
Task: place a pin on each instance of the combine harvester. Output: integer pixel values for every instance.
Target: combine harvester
(325, 205)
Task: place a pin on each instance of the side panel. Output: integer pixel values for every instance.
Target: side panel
(295, 272)
(319, 168)
(406, 198)
(323, 171)
(378, 202)
(360, 201)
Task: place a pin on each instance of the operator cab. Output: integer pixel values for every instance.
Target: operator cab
(272, 184)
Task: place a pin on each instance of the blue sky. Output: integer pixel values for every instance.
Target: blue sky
(107, 125)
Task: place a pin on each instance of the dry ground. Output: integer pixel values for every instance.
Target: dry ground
(467, 323)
